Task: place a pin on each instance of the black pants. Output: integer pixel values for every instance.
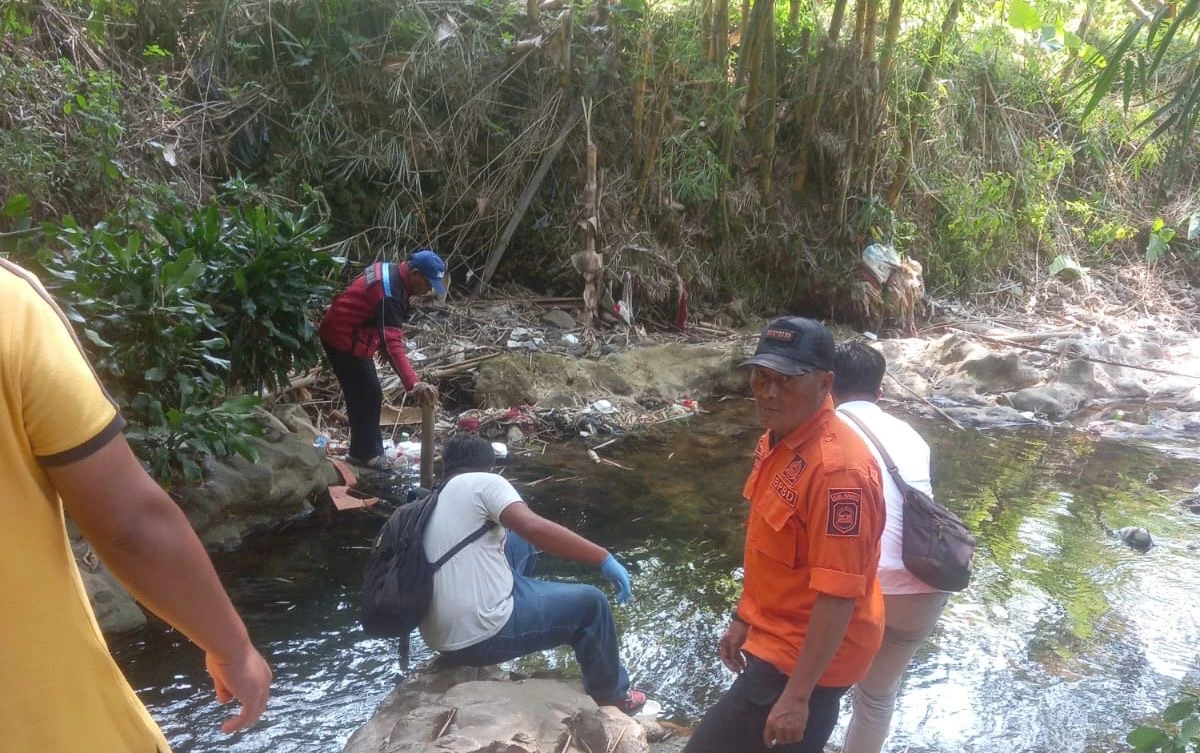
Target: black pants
(736, 723)
(364, 398)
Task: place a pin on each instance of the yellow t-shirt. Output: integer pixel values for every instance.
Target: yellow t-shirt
(60, 691)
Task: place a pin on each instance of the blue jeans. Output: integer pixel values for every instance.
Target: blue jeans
(548, 615)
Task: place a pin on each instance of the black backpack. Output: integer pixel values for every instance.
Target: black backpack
(398, 579)
(937, 547)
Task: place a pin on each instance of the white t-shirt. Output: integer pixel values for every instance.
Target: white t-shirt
(472, 592)
(910, 453)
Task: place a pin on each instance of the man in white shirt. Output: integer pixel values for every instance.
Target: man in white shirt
(911, 607)
(487, 609)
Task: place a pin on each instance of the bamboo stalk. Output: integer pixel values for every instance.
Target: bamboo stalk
(872, 23)
(535, 182)
(767, 166)
(912, 132)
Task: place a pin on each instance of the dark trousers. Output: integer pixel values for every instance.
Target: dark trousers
(364, 398)
(548, 615)
(736, 723)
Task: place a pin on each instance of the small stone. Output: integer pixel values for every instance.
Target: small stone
(515, 435)
(559, 318)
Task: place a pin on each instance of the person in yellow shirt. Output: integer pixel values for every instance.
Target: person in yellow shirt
(62, 450)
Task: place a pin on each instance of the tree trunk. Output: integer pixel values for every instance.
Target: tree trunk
(835, 23)
(913, 134)
(794, 13)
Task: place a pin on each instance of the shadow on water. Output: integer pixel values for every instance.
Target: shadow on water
(1064, 640)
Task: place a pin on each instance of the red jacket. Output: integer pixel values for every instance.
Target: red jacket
(369, 312)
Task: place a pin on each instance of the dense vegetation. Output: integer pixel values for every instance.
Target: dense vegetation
(188, 158)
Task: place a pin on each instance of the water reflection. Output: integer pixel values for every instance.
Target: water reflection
(1065, 638)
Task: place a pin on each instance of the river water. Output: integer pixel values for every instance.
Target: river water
(1065, 640)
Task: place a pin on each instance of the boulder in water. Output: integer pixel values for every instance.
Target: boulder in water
(469, 710)
(1138, 539)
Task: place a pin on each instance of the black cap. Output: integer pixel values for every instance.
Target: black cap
(794, 345)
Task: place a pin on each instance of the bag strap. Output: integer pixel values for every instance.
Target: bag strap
(470, 537)
(887, 458)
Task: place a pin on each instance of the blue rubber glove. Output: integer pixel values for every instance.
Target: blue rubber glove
(619, 576)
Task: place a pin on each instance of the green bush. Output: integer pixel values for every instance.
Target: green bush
(262, 279)
(178, 325)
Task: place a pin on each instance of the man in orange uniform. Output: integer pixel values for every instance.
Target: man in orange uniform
(811, 615)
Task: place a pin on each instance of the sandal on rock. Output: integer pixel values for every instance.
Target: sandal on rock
(631, 703)
(377, 463)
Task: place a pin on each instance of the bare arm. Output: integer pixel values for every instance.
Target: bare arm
(144, 538)
(549, 536)
(826, 628)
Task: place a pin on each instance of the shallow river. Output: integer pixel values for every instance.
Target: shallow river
(1063, 642)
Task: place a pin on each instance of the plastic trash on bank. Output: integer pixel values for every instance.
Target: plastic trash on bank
(602, 407)
(500, 449)
(880, 260)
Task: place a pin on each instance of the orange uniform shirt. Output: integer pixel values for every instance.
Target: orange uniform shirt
(816, 518)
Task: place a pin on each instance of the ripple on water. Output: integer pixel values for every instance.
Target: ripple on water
(1065, 639)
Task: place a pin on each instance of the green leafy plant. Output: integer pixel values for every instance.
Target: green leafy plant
(1179, 732)
(1159, 241)
(178, 324)
(262, 278)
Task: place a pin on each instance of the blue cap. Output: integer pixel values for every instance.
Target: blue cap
(432, 267)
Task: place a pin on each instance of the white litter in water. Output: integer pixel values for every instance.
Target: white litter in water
(500, 449)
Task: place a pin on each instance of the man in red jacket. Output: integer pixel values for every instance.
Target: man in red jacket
(364, 317)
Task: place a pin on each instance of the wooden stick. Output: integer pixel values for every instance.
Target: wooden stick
(910, 391)
(427, 446)
(526, 199)
(446, 724)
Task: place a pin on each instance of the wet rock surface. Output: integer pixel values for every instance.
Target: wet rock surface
(238, 496)
(482, 710)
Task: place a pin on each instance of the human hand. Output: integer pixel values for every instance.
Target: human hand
(731, 646)
(787, 720)
(619, 576)
(246, 679)
(425, 392)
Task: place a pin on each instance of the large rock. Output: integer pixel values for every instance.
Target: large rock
(1053, 402)
(239, 497)
(999, 372)
(484, 711)
(115, 608)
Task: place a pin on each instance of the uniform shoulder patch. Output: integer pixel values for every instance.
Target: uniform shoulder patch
(845, 512)
(791, 474)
